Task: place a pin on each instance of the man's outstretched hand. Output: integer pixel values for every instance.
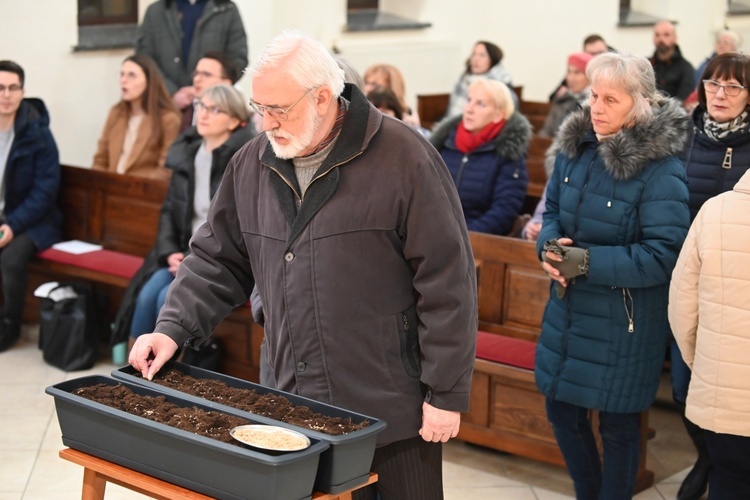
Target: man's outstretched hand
(150, 352)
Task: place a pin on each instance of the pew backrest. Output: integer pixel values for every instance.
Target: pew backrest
(512, 287)
(119, 212)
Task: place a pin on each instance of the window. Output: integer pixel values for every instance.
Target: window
(352, 5)
(738, 8)
(106, 24)
(366, 15)
(93, 12)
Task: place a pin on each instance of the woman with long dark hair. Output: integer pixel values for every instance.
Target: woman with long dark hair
(141, 127)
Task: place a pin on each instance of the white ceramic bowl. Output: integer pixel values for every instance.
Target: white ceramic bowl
(270, 437)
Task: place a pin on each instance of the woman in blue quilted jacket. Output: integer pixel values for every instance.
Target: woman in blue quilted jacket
(616, 218)
(485, 150)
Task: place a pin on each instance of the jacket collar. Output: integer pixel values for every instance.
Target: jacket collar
(631, 150)
(676, 57)
(512, 142)
(191, 141)
(360, 125)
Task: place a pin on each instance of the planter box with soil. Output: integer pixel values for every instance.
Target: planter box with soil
(159, 434)
(345, 465)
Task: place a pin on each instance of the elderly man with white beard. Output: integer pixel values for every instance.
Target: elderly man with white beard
(349, 224)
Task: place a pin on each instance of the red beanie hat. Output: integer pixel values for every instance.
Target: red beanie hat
(580, 60)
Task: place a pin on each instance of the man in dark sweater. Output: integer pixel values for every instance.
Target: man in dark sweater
(674, 74)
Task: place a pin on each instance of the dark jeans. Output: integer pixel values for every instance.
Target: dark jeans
(13, 260)
(149, 302)
(730, 477)
(410, 469)
(620, 432)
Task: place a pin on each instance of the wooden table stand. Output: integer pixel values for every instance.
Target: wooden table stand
(98, 472)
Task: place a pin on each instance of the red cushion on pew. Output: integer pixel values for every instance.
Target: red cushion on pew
(506, 350)
(103, 261)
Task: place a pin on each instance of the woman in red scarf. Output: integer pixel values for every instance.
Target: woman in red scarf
(484, 150)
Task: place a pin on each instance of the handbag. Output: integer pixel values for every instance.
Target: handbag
(70, 328)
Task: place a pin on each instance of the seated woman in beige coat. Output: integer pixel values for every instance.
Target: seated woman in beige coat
(710, 314)
(141, 127)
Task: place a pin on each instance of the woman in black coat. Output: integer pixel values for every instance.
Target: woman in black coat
(198, 159)
(716, 155)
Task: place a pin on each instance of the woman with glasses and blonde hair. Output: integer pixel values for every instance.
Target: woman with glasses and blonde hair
(197, 160)
(716, 155)
(141, 127)
(616, 217)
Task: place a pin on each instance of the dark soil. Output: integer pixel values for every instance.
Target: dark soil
(212, 424)
(268, 405)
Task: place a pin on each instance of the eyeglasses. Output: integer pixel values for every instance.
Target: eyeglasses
(212, 110)
(10, 88)
(731, 89)
(275, 111)
(203, 74)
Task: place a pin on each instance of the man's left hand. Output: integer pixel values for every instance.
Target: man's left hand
(438, 426)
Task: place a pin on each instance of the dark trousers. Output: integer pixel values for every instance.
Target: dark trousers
(13, 260)
(411, 469)
(611, 477)
(730, 477)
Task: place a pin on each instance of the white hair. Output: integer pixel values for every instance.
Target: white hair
(733, 36)
(303, 58)
(634, 74)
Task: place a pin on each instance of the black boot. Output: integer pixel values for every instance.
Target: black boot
(10, 332)
(695, 483)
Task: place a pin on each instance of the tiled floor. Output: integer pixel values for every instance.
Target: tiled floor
(30, 439)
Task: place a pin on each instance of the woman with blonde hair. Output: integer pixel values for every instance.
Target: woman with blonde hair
(141, 127)
(485, 150)
(389, 77)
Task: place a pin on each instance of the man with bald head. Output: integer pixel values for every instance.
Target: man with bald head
(674, 74)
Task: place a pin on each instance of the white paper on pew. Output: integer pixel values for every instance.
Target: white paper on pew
(44, 289)
(76, 247)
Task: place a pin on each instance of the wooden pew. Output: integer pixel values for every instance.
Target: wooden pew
(432, 108)
(507, 411)
(536, 112)
(121, 213)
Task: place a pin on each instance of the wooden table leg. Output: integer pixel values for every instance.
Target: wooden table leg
(93, 485)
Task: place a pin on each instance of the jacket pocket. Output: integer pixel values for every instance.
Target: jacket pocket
(409, 341)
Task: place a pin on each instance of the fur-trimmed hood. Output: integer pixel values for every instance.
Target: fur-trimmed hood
(628, 152)
(512, 142)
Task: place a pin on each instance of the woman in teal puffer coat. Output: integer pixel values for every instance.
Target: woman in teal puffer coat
(617, 211)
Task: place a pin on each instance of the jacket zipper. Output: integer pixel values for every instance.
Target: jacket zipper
(460, 173)
(409, 356)
(727, 163)
(322, 174)
(629, 312)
